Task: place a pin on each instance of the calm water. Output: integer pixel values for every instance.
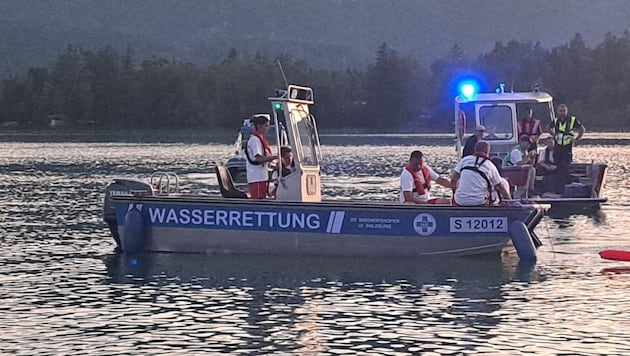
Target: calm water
(65, 291)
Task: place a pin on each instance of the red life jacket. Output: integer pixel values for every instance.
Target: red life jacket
(266, 148)
(529, 128)
(264, 142)
(420, 188)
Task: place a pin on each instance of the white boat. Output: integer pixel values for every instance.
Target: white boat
(497, 112)
(156, 216)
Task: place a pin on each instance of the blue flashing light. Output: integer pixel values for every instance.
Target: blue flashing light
(468, 89)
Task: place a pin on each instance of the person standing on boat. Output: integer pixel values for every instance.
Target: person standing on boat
(531, 127)
(475, 176)
(469, 145)
(415, 182)
(259, 155)
(567, 131)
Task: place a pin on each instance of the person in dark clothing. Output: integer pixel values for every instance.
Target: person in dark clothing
(546, 166)
(286, 155)
(567, 131)
(469, 145)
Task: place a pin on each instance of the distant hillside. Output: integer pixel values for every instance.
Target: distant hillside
(25, 46)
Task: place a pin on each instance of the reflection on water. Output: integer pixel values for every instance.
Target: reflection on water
(65, 291)
(317, 304)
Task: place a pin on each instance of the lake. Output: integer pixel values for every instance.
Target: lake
(65, 290)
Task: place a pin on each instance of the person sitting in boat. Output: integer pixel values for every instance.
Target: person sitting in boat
(415, 182)
(530, 126)
(469, 145)
(286, 157)
(520, 155)
(286, 166)
(475, 177)
(546, 166)
(259, 155)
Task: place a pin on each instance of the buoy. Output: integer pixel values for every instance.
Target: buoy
(132, 239)
(522, 241)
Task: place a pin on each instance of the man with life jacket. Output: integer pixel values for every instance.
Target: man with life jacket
(474, 178)
(567, 131)
(259, 155)
(530, 126)
(546, 166)
(520, 156)
(469, 145)
(415, 182)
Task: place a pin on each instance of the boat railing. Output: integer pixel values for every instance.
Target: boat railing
(161, 183)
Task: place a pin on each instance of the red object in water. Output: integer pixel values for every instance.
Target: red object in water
(616, 255)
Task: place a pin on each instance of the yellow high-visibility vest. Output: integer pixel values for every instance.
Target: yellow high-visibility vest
(564, 134)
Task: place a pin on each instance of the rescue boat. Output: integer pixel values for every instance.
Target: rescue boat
(498, 112)
(155, 215)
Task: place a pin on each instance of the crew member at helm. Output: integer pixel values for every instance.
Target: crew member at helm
(259, 155)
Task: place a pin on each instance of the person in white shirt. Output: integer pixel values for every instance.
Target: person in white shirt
(522, 157)
(475, 176)
(415, 182)
(259, 155)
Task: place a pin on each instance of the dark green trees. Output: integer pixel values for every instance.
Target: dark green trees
(102, 88)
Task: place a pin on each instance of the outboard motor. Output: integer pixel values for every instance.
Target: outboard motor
(121, 187)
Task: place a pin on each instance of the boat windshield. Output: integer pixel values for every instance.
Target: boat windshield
(307, 152)
(498, 122)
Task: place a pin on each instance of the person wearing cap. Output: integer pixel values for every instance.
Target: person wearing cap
(546, 166)
(530, 126)
(469, 145)
(521, 156)
(476, 178)
(415, 182)
(567, 131)
(259, 156)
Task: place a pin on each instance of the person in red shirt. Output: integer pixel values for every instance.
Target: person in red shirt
(531, 127)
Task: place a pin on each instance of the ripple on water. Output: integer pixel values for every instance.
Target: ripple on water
(65, 291)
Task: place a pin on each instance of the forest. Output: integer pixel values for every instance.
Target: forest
(104, 89)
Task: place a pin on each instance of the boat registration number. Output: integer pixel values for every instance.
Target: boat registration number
(479, 224)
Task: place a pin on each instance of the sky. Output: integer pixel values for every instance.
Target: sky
(425, 29)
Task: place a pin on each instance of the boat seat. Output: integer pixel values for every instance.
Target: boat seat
(226, 184)
(517, 179)
(515, 175)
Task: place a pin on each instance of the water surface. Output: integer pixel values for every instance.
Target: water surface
(64, 289)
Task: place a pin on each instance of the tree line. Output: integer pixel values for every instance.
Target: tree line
(106, 89)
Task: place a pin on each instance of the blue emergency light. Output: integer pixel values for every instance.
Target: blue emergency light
(468, 89)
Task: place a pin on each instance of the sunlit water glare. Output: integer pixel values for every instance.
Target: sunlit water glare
(64, 289)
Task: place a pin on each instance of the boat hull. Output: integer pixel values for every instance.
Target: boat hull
(211, 225)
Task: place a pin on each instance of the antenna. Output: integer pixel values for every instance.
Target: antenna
(286, 84)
